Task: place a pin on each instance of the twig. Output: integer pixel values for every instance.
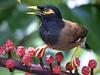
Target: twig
(34, 68)
(91, 72)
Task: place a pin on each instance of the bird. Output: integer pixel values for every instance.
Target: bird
(57, 32)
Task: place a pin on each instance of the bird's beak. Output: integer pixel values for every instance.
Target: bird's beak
(35, 10)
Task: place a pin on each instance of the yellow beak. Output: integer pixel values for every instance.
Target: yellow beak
(32, 7)
(37, 11)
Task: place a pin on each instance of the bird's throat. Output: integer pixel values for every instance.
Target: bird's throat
(50, 29)
(52, 19)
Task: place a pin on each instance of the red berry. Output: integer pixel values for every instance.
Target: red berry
(20, 51)
(30, 51)
(49, 59)
(69, 66)
(10, 63)
(92, 64)
(76, 62)
(27, 59)
(85, 70)
(59, 56)
(9, 45)
(27, 73)
(2, 51)
(57, 69)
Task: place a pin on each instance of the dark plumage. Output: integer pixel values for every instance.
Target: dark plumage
(59, 33)
(50, 28)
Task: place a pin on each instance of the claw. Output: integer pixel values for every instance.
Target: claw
(73, 59)
(40, 51)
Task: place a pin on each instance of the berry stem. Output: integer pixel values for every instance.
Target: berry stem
(41, 62)
(91, 72)
(11, 70)
(9, 54)
(76, 72)
(59, 63)
(12, 73)
(20, 58)
(71, 72)
(50, 67)
(34, 68)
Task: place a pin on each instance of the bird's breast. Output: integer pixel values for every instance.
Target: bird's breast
(50, 30)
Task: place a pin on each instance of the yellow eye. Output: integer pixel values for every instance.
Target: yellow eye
(48, 11)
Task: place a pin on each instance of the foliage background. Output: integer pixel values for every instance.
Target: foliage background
(16, 25)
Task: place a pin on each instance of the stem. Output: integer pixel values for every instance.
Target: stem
(59, 63)
(41, 62)
(12, 73)
(20, 58)
(91, 72)
(9, 54)
(11, 70)
(33, 68)
(71, 72)
(50, 67)
(76, 72)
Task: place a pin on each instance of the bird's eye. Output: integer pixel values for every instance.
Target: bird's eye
(48, 11)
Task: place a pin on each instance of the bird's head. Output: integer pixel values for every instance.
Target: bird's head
(45, 10)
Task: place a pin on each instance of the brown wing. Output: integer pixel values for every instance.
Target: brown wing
(74, 31)
(70, 34)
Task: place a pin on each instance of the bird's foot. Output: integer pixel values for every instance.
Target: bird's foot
(74, 56)
(40, 51)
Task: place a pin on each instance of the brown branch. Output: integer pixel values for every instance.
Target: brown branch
(34, 68)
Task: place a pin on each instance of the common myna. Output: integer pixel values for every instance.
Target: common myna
(56, 32)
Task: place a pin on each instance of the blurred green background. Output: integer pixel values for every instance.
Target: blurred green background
(23, 29)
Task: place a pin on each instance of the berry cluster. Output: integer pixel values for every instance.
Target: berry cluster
(70, 66)
(86, 70)
(90, 68)
(50, 60)
(26, 54)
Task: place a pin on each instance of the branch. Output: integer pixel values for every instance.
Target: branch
(34, 68)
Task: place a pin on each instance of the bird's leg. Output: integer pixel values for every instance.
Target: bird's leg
(74, 56)
(40, 51)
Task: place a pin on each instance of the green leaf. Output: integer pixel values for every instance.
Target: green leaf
(89, 16)
(43, 2)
